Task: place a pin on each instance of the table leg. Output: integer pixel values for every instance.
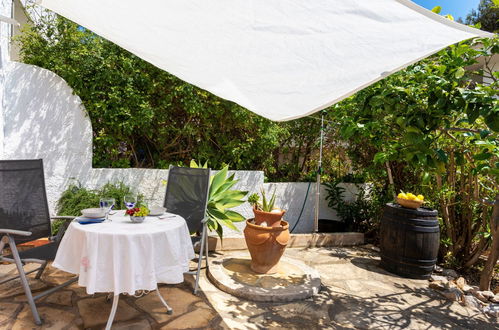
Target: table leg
(169, 310)
(116, 298)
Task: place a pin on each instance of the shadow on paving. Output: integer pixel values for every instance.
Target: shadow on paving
(335, 310)
(72, 308)
(391, 311)
(381, 299)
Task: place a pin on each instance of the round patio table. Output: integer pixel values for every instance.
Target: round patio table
(119, 256)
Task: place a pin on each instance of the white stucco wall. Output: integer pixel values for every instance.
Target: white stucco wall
(44, 119)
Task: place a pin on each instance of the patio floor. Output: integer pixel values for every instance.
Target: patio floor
(356, 293)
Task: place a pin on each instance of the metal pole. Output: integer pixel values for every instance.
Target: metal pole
(318, 184)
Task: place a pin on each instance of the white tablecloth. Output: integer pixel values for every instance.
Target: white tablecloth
(121, 256)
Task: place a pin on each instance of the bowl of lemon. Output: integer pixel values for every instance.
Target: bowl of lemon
(409, 200)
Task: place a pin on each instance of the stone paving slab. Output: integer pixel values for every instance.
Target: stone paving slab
(73, 308)
(292, 280)
(355, 293)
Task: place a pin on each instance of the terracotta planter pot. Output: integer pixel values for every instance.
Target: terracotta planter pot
(272, 219)
(266, 245)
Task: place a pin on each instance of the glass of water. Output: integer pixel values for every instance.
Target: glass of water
(107, 205)
(130, 201)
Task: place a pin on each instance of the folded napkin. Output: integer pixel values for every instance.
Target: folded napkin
(86, 221)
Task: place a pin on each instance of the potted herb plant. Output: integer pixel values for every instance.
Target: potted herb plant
(266, 237)
(265, 211)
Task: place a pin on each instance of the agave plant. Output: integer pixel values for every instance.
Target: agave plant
(268, 205)
(221, 199)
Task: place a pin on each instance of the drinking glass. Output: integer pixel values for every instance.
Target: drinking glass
(107, 204)
(130, 201)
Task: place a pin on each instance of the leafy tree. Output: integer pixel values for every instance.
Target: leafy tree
(432, 127)
(486, 15)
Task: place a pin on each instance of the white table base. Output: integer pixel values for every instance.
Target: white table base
(116, 299)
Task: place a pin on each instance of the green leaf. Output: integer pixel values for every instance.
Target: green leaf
(437, 9)
(441, 155)
(217, 214)
(484, 133)
(449, 16)
(220, 207)
(460, 158)
(218, 180)
(234, 216)
(482, 156)
(472, 112)
(412, 129)
(380, 157)
(229, 224)
(459, 73)
(193, 164)
(230, 194)
(492, 121)
(230, 203)
(426, 178)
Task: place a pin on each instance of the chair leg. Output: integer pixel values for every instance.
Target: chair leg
(40, 270)
(207, 249)
(200, 260)
(24, 281)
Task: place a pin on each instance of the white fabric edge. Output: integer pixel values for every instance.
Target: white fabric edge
(408, 3)
(423, 11)
(341, 98)
(443, 20)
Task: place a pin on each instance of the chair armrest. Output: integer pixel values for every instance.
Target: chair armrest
(62, 217)
(15, 232)
(62, 229)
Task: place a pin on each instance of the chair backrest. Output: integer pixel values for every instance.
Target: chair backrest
(187, 194)
(23, 199)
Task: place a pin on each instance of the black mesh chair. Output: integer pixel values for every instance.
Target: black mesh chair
(187, 194)
(24, 217)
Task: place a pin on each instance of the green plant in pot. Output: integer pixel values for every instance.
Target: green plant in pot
(221, 199)
(265, 211)
(267, 236)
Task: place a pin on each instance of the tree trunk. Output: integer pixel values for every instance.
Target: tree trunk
(390, 179)
(488, 269)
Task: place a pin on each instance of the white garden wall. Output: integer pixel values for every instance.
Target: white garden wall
(44, 119)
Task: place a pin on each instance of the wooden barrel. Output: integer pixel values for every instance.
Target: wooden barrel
(409, 241)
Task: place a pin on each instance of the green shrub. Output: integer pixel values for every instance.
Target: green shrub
(76, 198)
(362, 214)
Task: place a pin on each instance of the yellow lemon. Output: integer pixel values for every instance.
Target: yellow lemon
(411, 196)
(417, 200)
(402, 195)
(421, 197)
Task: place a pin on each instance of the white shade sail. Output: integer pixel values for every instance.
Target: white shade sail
(282, 59)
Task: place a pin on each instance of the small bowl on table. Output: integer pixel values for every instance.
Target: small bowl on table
(137, 219)
(410, 204)
(93, 213)
(157, 210)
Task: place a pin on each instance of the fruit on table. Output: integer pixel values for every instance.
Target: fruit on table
(138, 211)
(411, 197)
